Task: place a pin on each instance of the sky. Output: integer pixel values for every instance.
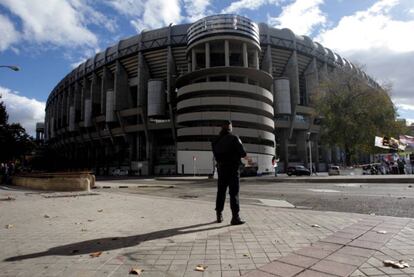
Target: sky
(48, 38)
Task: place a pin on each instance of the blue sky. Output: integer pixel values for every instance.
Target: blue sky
(48, 38)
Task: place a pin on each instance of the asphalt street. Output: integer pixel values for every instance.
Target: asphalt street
(374, 198)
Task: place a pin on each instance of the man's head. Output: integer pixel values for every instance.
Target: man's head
(227, 126)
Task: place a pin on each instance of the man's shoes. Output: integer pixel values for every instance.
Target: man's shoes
(219, 217)
(237, 221)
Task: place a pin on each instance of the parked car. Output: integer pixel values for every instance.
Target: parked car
(334, 170)
(297, 170)
(119, 172)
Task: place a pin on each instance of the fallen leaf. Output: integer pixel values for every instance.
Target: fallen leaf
(381, 232)
(201, 268)
(100, 211)
(95, 254)
(315, 226)
(400, 264)
(136, 271)
(46, 216)
(9, 226)
(246, 255)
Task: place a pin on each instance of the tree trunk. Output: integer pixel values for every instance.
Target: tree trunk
(347, 155)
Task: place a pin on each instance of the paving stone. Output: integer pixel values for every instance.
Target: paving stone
(335, 268)
(298, 260)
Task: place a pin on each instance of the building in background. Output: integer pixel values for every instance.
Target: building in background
(153, 103)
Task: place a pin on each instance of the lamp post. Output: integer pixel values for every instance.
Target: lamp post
(310, 152)
(12, 67)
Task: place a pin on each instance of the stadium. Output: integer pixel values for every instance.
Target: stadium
(152, 103)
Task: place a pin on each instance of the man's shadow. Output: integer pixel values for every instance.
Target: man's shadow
(111, 243)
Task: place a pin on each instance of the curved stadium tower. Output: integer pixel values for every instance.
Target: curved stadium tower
(153, 103)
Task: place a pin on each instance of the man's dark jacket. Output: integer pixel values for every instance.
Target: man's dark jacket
(228, 149)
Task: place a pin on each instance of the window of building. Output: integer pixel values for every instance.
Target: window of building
(217, 53)
(236, 53)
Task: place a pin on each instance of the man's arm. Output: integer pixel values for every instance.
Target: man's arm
(240, 148)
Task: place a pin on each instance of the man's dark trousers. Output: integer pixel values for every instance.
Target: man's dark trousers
(228, 176)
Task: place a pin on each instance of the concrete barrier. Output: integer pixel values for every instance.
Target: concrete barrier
(59, 181)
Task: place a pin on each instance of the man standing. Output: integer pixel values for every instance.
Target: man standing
(228, 150)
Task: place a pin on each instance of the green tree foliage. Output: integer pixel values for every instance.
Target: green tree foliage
(353, 113)
(14, 141)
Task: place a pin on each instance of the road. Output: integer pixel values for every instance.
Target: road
(375, 198)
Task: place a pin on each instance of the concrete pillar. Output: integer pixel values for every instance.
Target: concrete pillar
(193, 60)
(283, 148)
(64, 108)
(245, 56)
(207, 50)
(323, 72)
(256, 58)
(122, 96)
(85, 94)
(267, 64)
(292, 72)
(107, 84)
(142, 82)
(96, 94)
(77, 102)
(302, 146)
(226, 53)
(312, 81)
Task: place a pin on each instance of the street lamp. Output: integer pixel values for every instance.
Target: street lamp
(310, 152)
(12, 67)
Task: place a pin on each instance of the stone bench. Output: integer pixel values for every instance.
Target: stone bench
(58, 181)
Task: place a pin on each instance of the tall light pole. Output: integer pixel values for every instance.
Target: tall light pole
(310, 152)
(12, 67)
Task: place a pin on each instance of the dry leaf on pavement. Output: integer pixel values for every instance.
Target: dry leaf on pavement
(46, 216)
(315, 226)
(9, 226)
(136, 271)
(100, 211)
(201, 268)
(400, 264)
(95, 254)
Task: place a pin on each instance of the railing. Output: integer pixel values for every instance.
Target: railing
(226, 23)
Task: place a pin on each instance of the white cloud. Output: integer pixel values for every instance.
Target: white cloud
(58, 22)
(23, 110)
(8, 33)
(158, 13)
(196, 9)
(302, 17)
(237, 6)
(127, 7)
(371, 29)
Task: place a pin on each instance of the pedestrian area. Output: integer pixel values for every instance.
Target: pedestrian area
(110, 234)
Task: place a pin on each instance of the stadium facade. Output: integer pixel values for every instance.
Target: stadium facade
(153, 102)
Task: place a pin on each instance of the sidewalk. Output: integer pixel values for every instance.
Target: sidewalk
(53, 234)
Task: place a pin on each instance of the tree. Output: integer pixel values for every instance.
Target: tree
(14, 141)
(353, 113)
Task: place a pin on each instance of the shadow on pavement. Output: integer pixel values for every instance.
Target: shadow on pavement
(111, 243)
